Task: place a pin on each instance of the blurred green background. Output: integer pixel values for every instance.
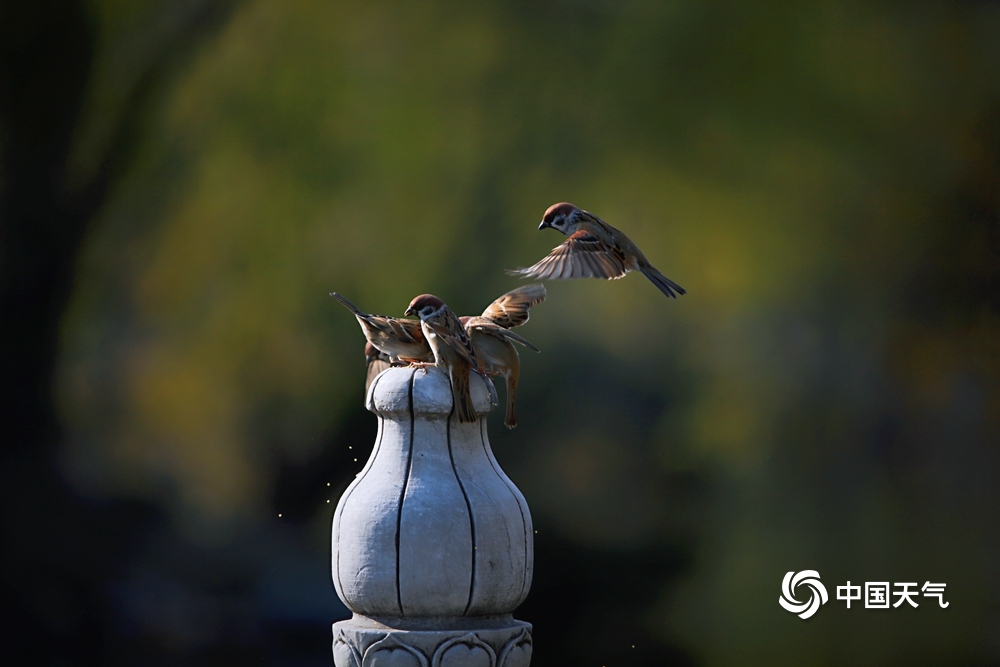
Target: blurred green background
(184, 183)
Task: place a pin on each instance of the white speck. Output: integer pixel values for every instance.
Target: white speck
(328, 483)
(329, 501)
(355, 459)
(279, 516)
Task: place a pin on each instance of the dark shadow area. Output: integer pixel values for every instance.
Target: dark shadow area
(591, 604)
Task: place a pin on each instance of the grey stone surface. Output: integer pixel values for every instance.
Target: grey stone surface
(361, 642)
(432, 542)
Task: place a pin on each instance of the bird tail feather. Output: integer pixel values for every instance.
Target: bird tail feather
(664, 284)
(462, 395)
(510, 420)
(350, 306)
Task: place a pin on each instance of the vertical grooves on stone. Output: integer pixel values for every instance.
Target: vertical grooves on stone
(402, 494)
(509, 484)
(468, 507)
(343, 501)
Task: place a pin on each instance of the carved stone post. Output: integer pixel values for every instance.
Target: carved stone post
(432, 543)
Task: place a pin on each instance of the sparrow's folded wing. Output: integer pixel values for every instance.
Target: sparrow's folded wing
(457, 340)
(482, 325)
(406, 331)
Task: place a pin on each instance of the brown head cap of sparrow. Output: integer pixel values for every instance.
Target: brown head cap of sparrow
(377, 361)
(451, 348)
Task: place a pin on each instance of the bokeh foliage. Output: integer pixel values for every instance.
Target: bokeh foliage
(824, 178)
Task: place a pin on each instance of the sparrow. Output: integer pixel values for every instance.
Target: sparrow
(377, 361)
(594, 249)
(400, 339)
(493, 343)
(451, 348)
(496, 355)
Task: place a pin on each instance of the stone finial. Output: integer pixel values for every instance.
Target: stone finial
(432, 542)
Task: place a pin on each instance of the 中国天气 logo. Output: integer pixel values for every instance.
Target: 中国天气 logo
(877, 594)
(807, 579)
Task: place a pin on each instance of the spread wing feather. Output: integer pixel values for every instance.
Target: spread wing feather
(582, 255)
(511, 309)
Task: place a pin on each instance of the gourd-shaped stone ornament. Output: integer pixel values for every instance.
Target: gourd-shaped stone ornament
(432, 542)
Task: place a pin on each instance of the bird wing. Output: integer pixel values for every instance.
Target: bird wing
(582, 255)
(404, 330)
(455, 337)
(511, 309)
(485, 326)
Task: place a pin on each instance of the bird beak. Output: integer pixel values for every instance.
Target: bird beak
(409, 311)
(543, 225)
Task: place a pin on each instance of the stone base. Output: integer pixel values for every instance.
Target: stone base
(453, 642)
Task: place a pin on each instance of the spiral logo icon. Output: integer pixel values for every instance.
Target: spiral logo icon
(817, 593)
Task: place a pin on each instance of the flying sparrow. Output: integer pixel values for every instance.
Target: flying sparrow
(495, 353)
(400, 339)
(594, 249)
(451, 347)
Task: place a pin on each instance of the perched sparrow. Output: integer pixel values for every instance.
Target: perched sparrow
(398, 338)
(495, 353)
(594, 249)
(402, 340)
(377, 361)
(451, 347)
